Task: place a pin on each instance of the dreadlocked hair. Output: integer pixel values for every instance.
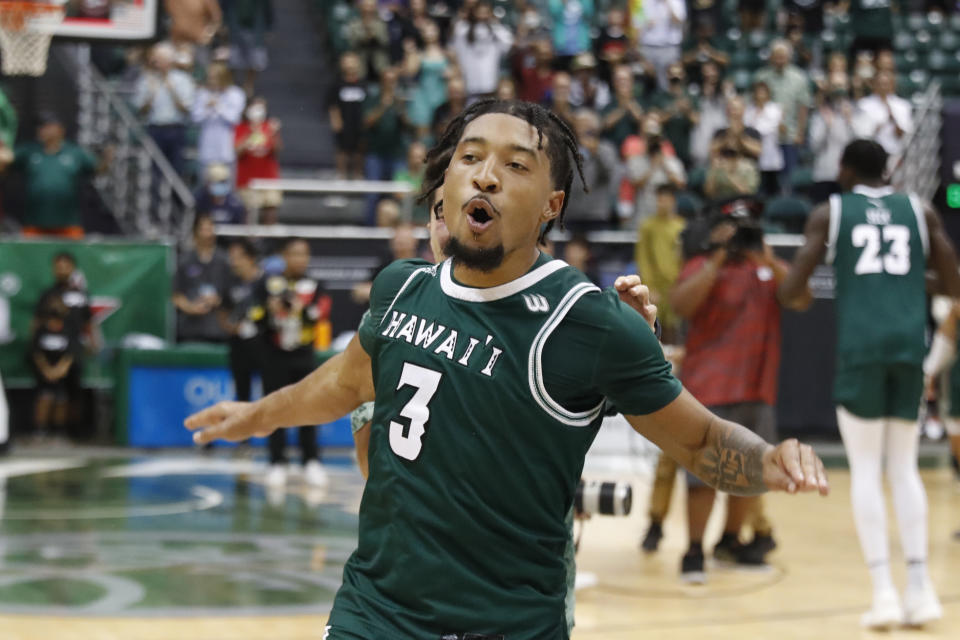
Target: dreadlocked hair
(562, 144)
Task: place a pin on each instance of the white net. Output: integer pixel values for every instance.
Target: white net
(25, 34)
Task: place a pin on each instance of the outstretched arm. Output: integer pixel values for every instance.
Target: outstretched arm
(794, 292)
(343, 383)
(727, 456)
(943, 257)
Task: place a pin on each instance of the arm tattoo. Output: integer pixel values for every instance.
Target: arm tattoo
(731, 459)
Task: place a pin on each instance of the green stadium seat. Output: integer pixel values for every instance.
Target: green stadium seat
(950, 85)
(949, 41)
(934, 22)
(941, 61)
(742, 79)
(916, 21)
(906, 61)
(689, 205)
(903, 40)
(790, 211)
(954, 22)
(801, 179)
(923, 41)
(695, 179)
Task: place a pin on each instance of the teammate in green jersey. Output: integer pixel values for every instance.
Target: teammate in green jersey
(490, 373)
(880, 243)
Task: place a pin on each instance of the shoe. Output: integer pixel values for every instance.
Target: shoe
(691, 568)
(886, 612)
(651, 541)
(765, 544)
(921, 606)
(726, 549)
(276, 476)
(315, 475)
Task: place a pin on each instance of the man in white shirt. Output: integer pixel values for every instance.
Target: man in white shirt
(662, 34)
(884, 116)
(480, 42)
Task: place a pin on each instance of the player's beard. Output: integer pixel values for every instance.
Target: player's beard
(483, 260)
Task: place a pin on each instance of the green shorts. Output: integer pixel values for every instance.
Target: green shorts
(889, 390)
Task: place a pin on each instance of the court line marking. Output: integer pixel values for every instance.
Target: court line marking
(204, 498)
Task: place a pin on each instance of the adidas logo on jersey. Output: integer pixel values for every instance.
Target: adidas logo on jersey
(536, 302)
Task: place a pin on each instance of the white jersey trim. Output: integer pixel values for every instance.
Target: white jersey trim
(874, 192)
(834, 228)
(918, 211)
(405, 284)
(499, 292)
(535, 364)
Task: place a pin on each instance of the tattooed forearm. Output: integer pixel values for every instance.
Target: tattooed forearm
(731, 459)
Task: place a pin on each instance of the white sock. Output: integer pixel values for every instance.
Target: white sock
(909, 497)
(863, 440)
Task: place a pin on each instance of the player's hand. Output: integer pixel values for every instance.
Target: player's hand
(636, 294)
(233, 421)
(794, 468)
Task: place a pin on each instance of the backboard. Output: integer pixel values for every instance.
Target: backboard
(120, 20)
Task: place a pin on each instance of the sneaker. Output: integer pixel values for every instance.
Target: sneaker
(276, 476)
(886, 612)
(315, 475)
(651, 541)
(726, 550)
(691, 568)
(765, 544)
(921, 606)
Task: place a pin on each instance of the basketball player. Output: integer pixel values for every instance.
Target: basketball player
(490, 373)
(880, 243)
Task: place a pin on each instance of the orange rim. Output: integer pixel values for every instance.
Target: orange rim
(14, 14)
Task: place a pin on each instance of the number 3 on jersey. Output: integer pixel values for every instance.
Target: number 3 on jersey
(896, 261)
(417, 411)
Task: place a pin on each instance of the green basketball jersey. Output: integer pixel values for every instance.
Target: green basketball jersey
(878, 245)
(487, 401)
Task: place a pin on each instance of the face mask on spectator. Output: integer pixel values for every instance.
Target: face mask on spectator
(219, 189)
(257, 113)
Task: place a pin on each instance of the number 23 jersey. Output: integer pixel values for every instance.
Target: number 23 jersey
(487, 401)
(878, 245)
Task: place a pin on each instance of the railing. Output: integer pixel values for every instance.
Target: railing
(141, 188)
(917, 168)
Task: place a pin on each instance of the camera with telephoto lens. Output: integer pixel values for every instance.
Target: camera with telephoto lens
(594, 497)
(745, 214)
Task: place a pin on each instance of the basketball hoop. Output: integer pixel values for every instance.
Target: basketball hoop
(26, 29)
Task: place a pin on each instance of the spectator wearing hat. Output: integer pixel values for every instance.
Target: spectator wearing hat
(480, 41)
(587, 90)
(218, 108)
(217, 199)
(257, 141)
(662, 34)
(677, 109)
(54, 170)
(163, 95)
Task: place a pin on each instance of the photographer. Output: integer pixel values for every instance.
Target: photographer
(728, 295)
(288, 308)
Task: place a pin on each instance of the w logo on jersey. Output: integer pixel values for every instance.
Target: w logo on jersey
(536, 302)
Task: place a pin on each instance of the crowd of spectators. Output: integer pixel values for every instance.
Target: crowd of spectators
(718, 104)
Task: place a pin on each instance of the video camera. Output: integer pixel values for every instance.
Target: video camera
(743, 212)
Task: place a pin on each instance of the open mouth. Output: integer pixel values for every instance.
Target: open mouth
(480, 214)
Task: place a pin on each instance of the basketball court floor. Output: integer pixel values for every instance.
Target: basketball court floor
(113, 545)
